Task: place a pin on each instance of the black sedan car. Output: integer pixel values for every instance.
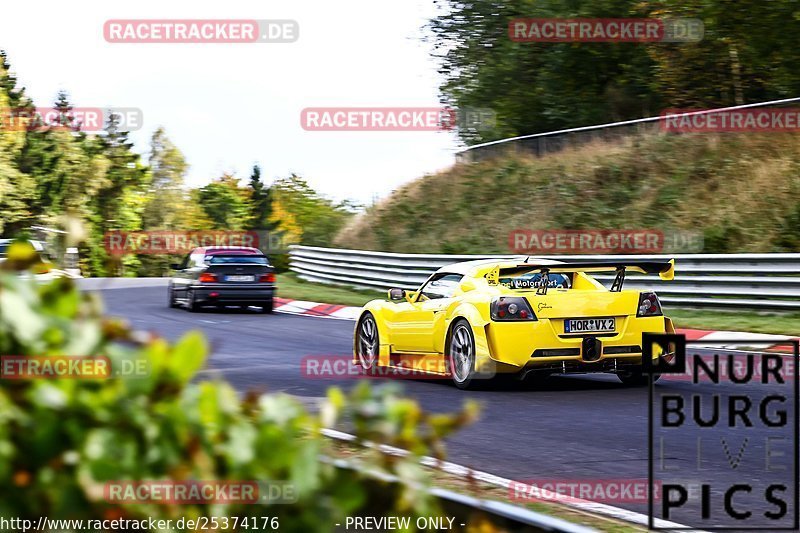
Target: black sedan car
(222, 276)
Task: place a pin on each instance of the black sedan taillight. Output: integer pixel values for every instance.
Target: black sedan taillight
(649, 305)
(511, 308)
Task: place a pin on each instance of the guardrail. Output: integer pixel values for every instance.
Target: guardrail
(495, 515)
(548, 142)
(754, 281)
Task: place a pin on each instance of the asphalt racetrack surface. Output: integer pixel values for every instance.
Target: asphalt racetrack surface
(569, 428)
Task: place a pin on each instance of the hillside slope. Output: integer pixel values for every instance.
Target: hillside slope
(740, 190)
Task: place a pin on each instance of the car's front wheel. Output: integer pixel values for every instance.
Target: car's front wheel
(367, 341)
(461, 355)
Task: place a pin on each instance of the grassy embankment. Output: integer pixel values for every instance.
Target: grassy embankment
(741, 191)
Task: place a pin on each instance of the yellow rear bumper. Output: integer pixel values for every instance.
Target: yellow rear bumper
(544, 342)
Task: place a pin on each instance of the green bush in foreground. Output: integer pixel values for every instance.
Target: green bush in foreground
(62, 440)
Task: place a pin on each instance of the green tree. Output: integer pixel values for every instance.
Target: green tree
(17, 99)
(118, 205)
(318, 218)
(225, 203)
(747, 55)
(167, 203)
(534, 87)
(260, 201)
(166, 196)
(16, 188)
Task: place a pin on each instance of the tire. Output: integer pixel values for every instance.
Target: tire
(171, 297)
(192, 304)
(460, 355)
(636, 378)
(267, 306)
(367, 342)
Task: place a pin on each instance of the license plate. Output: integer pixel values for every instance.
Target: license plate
(240, 278)
(589, 325)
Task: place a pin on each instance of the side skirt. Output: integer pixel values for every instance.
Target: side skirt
(427, 363)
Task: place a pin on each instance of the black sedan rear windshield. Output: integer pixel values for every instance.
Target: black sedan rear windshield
(249, 259)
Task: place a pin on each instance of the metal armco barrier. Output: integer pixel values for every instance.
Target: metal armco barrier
(755, 281)
(468, 511)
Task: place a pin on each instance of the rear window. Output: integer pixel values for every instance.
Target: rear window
(239, 259)
(233, 251)
(531, 280)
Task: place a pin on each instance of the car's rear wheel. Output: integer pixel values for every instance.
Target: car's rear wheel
(461, 355)
(636, 378)
(192, 304)
(367, 342)
(267, 306)
(171, 302)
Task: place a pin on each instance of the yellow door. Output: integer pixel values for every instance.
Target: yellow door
(419, 327)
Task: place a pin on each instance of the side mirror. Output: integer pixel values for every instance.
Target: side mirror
(396, 295)
(175, 266)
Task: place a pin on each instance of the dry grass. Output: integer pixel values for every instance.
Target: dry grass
(740, 190)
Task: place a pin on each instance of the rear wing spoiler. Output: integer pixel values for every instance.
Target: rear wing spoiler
(664, 269)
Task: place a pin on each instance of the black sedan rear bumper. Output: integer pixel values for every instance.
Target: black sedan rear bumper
(212, 294)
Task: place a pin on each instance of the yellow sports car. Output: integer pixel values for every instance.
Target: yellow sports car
(476, 319)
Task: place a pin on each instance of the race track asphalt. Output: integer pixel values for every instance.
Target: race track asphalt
(570, 428)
